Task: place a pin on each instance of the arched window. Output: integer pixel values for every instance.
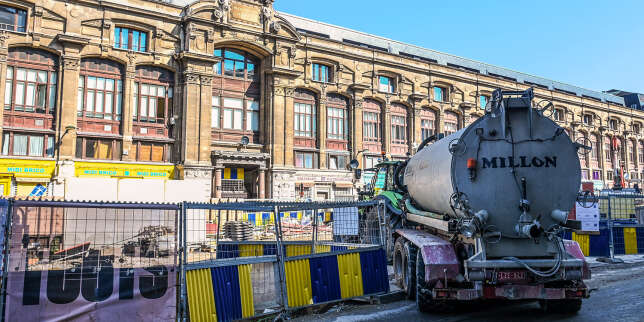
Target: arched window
(235, 96)
(398, 124)
(100, 100)
(236, 63)
(152, 102)
(31, 81)
(451, 123)
(100, 89)
(30, 102)
(427, 123)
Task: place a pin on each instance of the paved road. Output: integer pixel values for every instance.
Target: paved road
(618, 296)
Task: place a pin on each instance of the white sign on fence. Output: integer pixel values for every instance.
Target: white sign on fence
(345, 221)
(589, 217)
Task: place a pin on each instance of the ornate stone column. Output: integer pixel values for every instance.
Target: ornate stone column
(262, 183)
(67, 112)
(278, 115)
(322, 130)
(217, 183)
(126, 115)
(289, 126)
(386, 131)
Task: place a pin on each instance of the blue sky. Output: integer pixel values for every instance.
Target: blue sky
(598, 45)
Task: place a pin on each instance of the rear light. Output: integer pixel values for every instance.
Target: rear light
(471, 166)
(471, 163)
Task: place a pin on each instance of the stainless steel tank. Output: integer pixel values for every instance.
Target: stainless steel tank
(522, 168)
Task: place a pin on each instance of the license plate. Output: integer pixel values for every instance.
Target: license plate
(512, 276)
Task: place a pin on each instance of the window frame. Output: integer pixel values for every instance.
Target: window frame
(338, 157)
(444, 94)
(314, 159)
(483, 98)
(587, 122)
(17, 15)
(391, 86)
(166, 81)
(248, 60)
(47, 137)
(368, 124)
(425, 130)
(117, 147)
(167, 151)
(318, 70)
(561, 113)
(399, 129)
(337, 124)
(11, 84)
(142, 35)
(117, 93)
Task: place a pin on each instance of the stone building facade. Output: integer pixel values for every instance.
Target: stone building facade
(148, 100)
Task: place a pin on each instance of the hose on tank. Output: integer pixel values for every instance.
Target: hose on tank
(552, 271)
(419, 212)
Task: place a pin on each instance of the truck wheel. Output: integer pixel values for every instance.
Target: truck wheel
(400, 263)
(424, 300)
(410, 273)
(568, 306)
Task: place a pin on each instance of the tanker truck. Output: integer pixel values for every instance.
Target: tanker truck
(479, 214)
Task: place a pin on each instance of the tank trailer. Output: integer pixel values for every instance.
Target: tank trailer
(478, 214)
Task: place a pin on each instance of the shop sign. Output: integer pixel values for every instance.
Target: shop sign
(27, 168)
(91, 169)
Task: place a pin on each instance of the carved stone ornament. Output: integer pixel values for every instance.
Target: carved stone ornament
(131, 58)
(197, 174)
(210, 36)
(225, 4)
(97, 23)
(4, 35)
(289, 91)
(206, 80)
(358, 103)
(275, 27)
(38, 11)
(278, 91)
(267, 13)
(71, 63)
(130, 74)
(190, 78)
(218, 14)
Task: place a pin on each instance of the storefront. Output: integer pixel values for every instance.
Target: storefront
(23, 178)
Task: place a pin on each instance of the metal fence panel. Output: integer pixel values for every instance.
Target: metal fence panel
(100, 260)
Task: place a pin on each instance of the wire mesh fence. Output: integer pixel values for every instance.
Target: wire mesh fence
(229, 259)
(245, 245)
(107, 253)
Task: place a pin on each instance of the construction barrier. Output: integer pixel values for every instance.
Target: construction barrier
(248, 263)
(317, 279)
(234, 249)
(232, 290)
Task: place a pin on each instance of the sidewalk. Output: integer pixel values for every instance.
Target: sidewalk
(629, 261)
